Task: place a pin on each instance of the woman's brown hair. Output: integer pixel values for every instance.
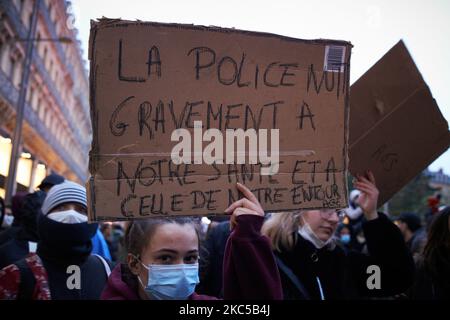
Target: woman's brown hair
(436, 254)
(139, 232)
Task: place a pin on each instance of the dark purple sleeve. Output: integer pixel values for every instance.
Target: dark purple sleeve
(250, 270)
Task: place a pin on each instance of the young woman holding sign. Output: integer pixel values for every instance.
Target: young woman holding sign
(313, 267)
(163, 254)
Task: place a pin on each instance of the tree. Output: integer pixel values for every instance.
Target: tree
(413, 197)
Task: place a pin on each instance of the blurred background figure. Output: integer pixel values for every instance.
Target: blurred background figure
(118, 250)
(354, 220)
(12, 219)
(100, 245)
(354, 211)
(432, 279)
(344, 236)
(413, 233)
(212, 253)
(433, 203)
(14, 241)
(6, 218)
(27, 207)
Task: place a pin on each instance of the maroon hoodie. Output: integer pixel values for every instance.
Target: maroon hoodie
(250, 270)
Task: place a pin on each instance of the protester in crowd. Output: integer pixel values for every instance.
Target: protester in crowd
(432, 279)
(6, 218)
(17, 240)
(25, 239)
(356, 220)
(119, 238)
(62, 267)
(212, 253)
(344, 236)
(115, 241)
(16, 215)
(413, 233)
(313, 267)
(433, 203)
(100, 245)
(354, 211)
(163, 259)
(2, 212)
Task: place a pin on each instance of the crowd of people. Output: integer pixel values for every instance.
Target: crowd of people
(49, 251)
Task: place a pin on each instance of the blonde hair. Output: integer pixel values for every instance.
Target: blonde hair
(281, 228)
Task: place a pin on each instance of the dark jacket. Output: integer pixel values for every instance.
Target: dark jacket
(432, 285)
(250, 271)
(8, 233)
(13, 250)
(211, 263)
(306, 272)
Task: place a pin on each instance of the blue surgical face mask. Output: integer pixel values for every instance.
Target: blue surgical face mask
(171, 282)
(345, 238)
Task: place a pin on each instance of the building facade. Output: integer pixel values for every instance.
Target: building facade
(440, 182)
(56, 132)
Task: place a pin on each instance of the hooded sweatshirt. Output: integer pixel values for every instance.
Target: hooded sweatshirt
(250, 270)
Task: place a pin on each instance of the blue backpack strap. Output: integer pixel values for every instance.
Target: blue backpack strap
(27, 281)
(295, 280)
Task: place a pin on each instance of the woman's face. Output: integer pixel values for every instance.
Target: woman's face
(322, 222)
(171, 243)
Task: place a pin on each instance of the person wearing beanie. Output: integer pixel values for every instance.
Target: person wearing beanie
(62, 267)
(413, 233)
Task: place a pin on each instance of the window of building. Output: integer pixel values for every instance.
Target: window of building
(30, 18)
(48, 119)
(44, 56)
(42, 112)
(38, 105)
(22, 5)
(30, 94)
(12, 68)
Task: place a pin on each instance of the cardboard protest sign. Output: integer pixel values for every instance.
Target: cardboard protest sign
(180, 113)
(396, 128)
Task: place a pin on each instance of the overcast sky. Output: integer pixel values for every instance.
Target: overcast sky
(373, 27)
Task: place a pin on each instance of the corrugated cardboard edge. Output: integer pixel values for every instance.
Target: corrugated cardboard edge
(346, 149)
(93, 165)
(104, 22)
(90, 187)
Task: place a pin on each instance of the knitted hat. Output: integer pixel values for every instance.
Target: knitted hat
(66, 192)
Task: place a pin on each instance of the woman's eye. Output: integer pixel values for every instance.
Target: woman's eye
(165, 259)
(191, 259)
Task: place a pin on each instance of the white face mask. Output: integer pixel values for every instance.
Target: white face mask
(308, 234)
(7, 221)
(68, 216)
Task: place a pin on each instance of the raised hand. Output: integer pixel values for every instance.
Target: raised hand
(368, 198)
(247, 205)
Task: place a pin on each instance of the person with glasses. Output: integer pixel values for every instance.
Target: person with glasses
(313, 267)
